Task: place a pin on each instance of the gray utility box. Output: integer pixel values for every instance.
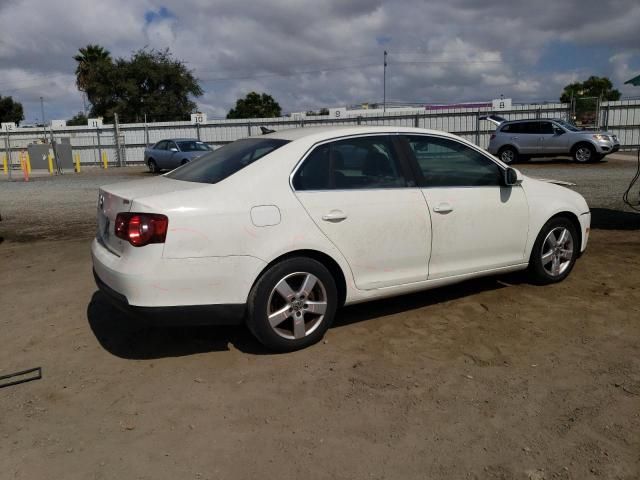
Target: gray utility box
(39, 153)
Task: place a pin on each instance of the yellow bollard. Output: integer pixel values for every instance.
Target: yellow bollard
(28, 159)
(105, 160)
(5, 165)
(50, 159)
(77, 163)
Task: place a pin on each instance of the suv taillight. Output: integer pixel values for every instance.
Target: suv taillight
(141, 229)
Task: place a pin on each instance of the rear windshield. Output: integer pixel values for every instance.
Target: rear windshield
(193, 146)
(224, 162)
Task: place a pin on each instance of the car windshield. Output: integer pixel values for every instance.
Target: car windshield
(193, 146)
(224, 162)
(568, 126)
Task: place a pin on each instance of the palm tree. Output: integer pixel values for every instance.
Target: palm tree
(87, 58)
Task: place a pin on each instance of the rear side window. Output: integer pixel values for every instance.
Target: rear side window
(355, 163)
(224, 162)
(448, 163)
(161, 145)
(507, 128)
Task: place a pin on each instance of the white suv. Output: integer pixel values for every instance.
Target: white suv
(280, 230)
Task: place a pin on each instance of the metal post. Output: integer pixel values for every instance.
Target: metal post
(384, 84)
(99, 145)
(116, 134)
(55, 154)
(7, 144)
(44, 129)
(248, 129)
(416, 121)
(478, 128)
(146, 130)
(198, 131)
(359, 120)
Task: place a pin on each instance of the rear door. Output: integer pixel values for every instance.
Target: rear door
(159, 152)
(527, 138)
(359, 192)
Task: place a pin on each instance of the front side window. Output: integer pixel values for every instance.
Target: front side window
(354, 163)
(447, 163)
(224, 162)
(546, 128)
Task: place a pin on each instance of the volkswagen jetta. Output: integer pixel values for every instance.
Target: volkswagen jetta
(281, 230)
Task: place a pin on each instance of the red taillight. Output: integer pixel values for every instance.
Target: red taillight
(141, 229)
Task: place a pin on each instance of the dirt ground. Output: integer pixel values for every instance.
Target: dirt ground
(491, 379)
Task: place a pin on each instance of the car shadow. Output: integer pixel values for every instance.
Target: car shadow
(608, 219)
(131, 339)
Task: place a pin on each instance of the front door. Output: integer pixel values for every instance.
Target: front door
(477, 223)
(554, 139)
(357, 193)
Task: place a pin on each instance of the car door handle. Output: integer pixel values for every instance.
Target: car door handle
(514, 138)
(334, 216)
(444, 207)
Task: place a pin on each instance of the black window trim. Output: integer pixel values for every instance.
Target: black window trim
(405, 164)
(421, 181)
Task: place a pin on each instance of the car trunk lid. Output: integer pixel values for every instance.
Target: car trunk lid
(117, 198)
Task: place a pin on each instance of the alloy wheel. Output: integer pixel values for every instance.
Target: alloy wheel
(557, 251)
(297, 305)
(583, 154)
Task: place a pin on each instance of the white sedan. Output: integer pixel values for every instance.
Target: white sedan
(280, 230)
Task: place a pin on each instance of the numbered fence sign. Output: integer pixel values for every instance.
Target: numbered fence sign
(94, 122)
(198, 117)
(8, 126)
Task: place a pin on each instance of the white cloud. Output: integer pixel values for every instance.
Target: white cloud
(455, 51)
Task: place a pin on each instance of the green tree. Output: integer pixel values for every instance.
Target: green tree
(255, 105)
(77, 120)
(599, 87)
(10, 110)
(151, 82)
(89, 59)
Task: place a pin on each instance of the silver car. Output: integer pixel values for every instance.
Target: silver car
(522, 139)
(171, 153)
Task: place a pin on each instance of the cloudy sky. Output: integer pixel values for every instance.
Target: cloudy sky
(309, 54)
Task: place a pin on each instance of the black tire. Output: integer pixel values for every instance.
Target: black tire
(541, 272)
(584, 153)
(264, 298)
(508, 155)
(153, 166)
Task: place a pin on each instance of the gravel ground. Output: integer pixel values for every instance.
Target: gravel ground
(491, 379)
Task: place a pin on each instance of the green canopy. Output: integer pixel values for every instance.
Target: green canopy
(634, 81)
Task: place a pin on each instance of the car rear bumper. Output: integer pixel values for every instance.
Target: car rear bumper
(216, 287)
(221, 314)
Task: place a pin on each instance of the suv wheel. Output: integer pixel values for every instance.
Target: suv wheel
(292, 305)
(555, 251)
(508, 155)
(584, 153)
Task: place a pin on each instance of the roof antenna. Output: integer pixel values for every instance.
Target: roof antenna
(266, 130)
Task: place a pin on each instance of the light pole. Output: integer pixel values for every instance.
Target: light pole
(44, 128)
(384, 84)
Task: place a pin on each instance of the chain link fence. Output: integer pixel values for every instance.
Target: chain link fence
(124, 144)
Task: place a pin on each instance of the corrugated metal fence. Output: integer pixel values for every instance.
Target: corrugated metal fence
(621, 118)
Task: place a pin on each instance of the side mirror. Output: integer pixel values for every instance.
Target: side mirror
(512, 177)
(173, 149)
